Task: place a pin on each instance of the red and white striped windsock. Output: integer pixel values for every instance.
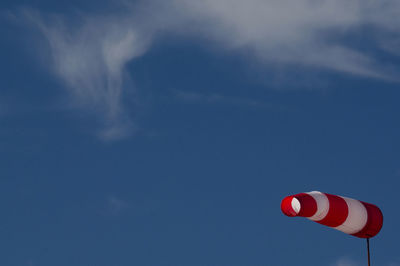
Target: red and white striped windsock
(350, 216)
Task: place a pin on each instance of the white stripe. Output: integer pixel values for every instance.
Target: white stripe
(296, 205)
(322, 205)
(356, 219)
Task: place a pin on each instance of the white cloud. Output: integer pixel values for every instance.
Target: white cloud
(90, 56)
(309, 33)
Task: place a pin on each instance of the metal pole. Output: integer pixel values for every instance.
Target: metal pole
(369, 261)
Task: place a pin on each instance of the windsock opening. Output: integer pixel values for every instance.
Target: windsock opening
(290, 206)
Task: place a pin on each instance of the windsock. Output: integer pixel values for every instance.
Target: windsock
(350, 216)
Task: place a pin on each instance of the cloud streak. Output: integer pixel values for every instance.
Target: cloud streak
(345, 262)
(90, 56)
(309, 33)
(214, 98)
(115, 206)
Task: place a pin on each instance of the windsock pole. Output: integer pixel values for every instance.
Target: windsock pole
(369, 261)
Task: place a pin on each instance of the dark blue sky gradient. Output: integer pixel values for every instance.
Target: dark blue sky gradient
(200, 182)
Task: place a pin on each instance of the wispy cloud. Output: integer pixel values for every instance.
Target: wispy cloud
(90, 57)
(90, 52)
(114, 206)
(215, 98)
(304, 32)
(345, 262)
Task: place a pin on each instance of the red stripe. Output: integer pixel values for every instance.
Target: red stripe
(286, 206)
(307, 203)
(337, 213)
(374, 222)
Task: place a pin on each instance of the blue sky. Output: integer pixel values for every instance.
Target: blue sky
(166, 133)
